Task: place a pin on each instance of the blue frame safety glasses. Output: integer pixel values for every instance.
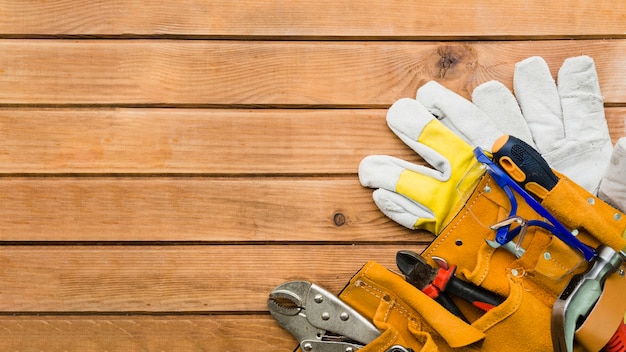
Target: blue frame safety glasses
(503, 235)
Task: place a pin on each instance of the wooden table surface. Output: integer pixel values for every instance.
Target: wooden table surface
(165, 164)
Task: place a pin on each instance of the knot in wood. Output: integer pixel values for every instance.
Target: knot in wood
(339, 219)
(457, 59)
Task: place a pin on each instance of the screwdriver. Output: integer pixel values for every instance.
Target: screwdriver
(525, 165)
(531, 174)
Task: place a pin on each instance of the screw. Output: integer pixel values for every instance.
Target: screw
(325, 316)
(307, 346)
(344, 316)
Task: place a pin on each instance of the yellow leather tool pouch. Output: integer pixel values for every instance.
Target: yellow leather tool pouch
(408, 317)
(547, 264)
(530, 282)
(544, 269)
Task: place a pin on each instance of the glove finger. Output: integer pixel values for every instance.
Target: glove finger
(499, 104)
(403, 210)
(450, 156)
(581, 101)
(427, 136)
(420, 184)
(539, 100)
(459, 115)
(613, 186)
(382, 171)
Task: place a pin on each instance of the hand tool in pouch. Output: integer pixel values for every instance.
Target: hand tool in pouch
(435, 282)
(319, 320)
(571, 309)
(579, 297)
(530, 172)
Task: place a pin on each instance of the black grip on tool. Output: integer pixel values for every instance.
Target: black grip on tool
(476, 295)
(448, 304)
(525, 165)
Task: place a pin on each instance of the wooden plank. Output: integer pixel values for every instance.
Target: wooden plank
(193, 209)
(211, 141)
(97, 279)
(364, 18)
(140, 333)
(139, 72)
(202, 141)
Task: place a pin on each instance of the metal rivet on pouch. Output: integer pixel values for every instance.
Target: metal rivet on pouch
(621, 272)
(319, 298)
(591, 201)
(487, 189)
(518, 272)
(617, 216)
(547, 256)
(575, 232)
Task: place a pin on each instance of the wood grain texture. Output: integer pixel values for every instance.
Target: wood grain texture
(225, 333)
(205, 141)
(202, 141)
(366, 18)
(205, 209)
(363, 74)
(183, 279)
(164, 165)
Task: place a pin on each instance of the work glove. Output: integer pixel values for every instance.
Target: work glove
(613, 186)
(415, 195)
(564, 122)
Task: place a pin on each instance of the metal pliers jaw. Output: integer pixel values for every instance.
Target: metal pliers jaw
(319, 320)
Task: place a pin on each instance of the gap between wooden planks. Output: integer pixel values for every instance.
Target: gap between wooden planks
(273, 73)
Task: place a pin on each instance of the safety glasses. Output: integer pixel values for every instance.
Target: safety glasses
(504, 234)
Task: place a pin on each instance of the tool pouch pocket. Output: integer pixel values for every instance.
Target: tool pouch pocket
(409, 318)
(405, 315)
(547, 262)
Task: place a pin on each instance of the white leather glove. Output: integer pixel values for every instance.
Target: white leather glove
(613, 186)
(565, 123)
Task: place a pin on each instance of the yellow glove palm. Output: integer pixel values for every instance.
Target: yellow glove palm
(413, 195)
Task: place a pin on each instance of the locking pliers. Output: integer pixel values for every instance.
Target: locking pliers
(320, 321)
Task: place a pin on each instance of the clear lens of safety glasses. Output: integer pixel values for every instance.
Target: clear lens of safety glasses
(551, 223)
(471, 183)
